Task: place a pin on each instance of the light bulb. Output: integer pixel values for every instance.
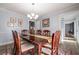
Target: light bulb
(32, 14)
(11, 24)
(28, 15)
(36, 16)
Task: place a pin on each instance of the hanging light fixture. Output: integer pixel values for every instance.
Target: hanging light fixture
(32, 15)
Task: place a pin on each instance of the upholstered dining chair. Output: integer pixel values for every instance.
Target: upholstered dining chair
(39, 32)
(24, 32)
(22, 48)
(52, 48)
(46, 33)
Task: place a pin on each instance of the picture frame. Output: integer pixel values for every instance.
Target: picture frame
(11, 22)
(20, 22)
(45, 22)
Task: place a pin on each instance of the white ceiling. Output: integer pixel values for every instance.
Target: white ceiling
(40, 8)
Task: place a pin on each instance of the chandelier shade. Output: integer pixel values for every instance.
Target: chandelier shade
(32, 16)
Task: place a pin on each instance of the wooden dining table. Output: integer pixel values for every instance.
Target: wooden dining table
(38, 40)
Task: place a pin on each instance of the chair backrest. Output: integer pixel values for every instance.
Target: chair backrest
(24, 32)
(55, 42)
(18, 44)
(46, 32)
(38, 32)
(14, 39)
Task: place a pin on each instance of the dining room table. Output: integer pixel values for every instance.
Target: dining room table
(38, 41)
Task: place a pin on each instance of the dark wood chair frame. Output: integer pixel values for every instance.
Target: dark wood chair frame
(17, 44)
(54, 45)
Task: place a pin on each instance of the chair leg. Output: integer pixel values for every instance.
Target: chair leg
(32, 51)
(39, 49)
(57, 53)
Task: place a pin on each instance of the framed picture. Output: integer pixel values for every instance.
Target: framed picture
(45, 22)
(20, 22)
(11, 22)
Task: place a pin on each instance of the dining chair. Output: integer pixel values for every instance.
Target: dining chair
(14, 39)
(46, 33)
(39, 32)
(22, 48)
(52, 48)
(24, 32)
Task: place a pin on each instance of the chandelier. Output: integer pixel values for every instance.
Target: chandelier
(33, 15)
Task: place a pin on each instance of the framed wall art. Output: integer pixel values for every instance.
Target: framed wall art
(45, 22)
(11, 22)
(20, 22)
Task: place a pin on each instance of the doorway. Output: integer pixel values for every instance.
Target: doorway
(31, 27)
(69, 30)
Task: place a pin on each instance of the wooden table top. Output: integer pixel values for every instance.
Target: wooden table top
(49, 39)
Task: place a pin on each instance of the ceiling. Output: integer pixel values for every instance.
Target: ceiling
(39, 8)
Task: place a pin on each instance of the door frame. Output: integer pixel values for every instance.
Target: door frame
(68, 22)
(63, 27)
(77, 29)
